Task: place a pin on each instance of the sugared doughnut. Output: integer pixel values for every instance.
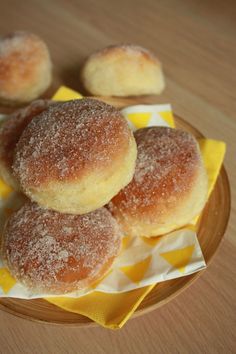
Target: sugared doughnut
(25, 67)
(10, 132)
(58, 253)
(75, 156)
(123, 70)
(169, 187)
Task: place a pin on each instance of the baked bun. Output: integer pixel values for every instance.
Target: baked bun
(75, 156)
(125, 70)
(10, 132)
(169, 187)
(25, 67)
(56, 253)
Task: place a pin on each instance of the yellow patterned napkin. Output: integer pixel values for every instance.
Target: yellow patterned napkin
(143, 262)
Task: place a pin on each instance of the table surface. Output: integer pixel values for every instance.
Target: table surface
(196, 42)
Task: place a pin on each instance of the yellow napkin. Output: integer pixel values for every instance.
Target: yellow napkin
(113, 310)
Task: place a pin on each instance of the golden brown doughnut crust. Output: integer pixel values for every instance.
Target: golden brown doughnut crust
(58, 253)
(167, 171)
(11, 130)
(68, 141)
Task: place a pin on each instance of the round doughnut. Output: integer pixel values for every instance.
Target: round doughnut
(169, 187)
(10, 132)
(25, 67)
(123, 70)
(75, 156)
(56, 253)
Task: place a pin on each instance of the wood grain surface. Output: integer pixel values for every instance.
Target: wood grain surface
(196, 41)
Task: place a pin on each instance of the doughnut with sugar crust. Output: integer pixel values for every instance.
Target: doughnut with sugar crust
(56, 253)
(169, 187)
(10, 132)
(75, 156)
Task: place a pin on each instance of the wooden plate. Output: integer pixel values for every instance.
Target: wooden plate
(210, 234)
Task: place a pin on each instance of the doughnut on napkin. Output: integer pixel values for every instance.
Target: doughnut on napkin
(143, 262)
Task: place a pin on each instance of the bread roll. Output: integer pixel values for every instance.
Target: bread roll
(25, 67)
(125, 70)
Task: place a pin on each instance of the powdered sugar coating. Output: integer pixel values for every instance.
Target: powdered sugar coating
(69, 140)
(12, 42)
(58, 253)
(167, 163)
(129, 49)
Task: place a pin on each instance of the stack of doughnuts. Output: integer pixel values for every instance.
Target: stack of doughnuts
(73, 158)
(70, 159)
(89, 179)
